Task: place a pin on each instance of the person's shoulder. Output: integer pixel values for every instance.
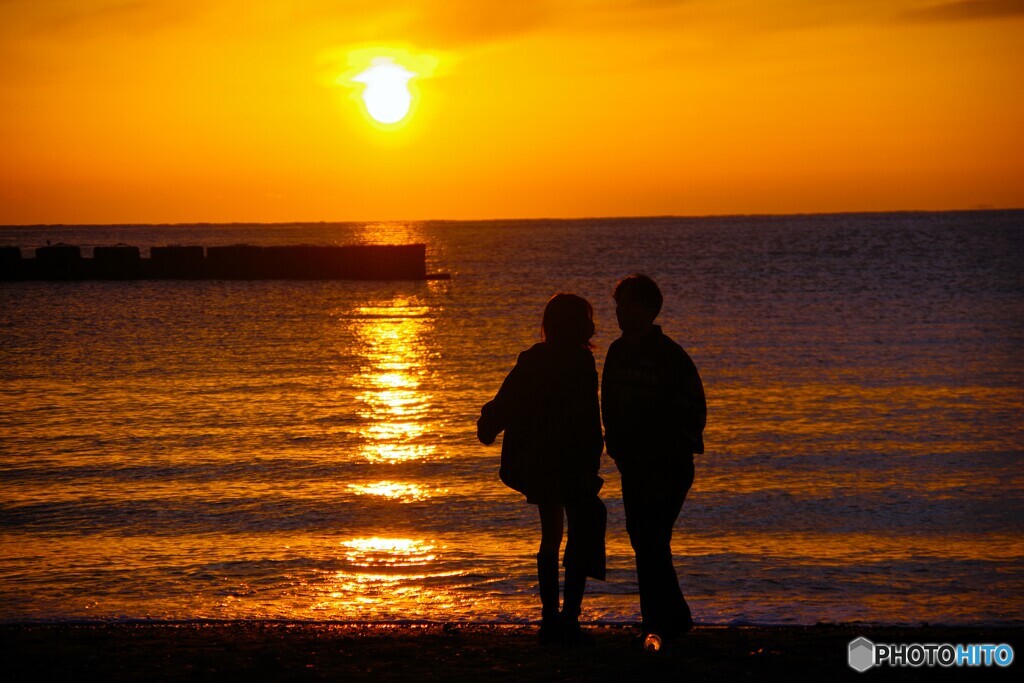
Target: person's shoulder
(671, 347)
(537, 348)
(532, 354)
(557, 354)
(615, 346)
(587, 360)
(661, 340)
(575, 355)
(667, 342)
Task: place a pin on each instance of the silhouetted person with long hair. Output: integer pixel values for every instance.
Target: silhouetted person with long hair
(551, 453)
(654, 412)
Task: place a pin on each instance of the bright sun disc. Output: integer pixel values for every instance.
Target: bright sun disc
(386, 92)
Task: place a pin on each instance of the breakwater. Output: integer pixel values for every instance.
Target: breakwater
(235, 262)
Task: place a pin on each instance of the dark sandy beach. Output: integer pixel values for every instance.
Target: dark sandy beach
(266, 651)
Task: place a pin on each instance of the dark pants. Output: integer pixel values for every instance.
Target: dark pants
(653, 500)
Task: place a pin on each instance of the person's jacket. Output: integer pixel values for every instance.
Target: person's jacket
(652, 400)
(548, 408)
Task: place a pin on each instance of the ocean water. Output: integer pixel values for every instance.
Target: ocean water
(306, 450)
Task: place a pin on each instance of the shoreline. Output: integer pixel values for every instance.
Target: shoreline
(472, 624)
(275, 650)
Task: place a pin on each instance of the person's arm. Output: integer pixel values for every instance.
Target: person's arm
(587, 414)
(691, 403)
(609, 400)
(495, 413)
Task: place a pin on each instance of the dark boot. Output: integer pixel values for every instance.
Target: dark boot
(575, 583)
(547, 578)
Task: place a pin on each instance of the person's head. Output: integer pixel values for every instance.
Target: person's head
(637, 303)
(568, 319)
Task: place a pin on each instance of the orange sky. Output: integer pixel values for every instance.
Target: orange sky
(115, 111)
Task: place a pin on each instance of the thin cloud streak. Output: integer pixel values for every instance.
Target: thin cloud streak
(61, 20)
(966, 10)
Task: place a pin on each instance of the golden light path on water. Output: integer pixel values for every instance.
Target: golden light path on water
(390, 571)
(385, 572)
(398, 491)
(389, 552)
(395, 408)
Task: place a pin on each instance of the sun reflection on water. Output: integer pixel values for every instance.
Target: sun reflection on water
(393, 490)
(397, 575)
(377, 551)
(395, 408)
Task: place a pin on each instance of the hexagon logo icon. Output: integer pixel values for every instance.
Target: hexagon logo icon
(862, 654)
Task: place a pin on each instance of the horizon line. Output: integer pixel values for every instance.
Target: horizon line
(521, 220)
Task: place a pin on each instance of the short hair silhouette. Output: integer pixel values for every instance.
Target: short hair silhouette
(640, 288)
(568, 319)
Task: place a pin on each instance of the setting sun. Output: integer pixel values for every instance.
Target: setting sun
(384, 83)
(386, 95)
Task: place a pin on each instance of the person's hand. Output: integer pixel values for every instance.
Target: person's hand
(486, 438)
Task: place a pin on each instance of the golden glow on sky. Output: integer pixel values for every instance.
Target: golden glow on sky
(224, 110)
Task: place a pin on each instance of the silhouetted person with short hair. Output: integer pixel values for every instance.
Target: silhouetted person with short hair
(654, 412)
(551, 453)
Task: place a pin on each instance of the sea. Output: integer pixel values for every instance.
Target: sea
(306, 450)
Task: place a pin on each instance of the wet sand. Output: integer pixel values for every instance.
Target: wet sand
(270, 651)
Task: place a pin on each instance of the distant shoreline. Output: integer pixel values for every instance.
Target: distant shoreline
(538, 219)
(261, 650)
